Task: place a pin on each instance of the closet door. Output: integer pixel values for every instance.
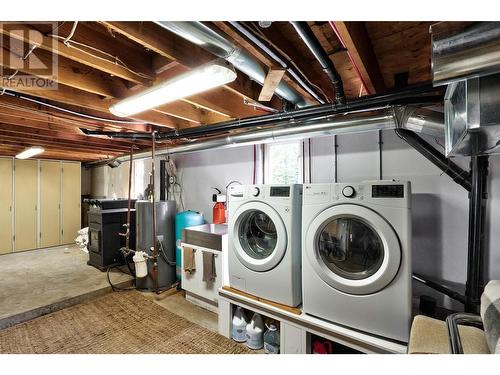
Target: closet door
(25, 194)
(70, 201)
(50, 203)
(6, 206)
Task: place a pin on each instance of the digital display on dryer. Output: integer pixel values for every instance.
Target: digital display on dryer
(280, 191)
(388, 191)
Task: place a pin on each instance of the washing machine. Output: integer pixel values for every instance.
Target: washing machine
(264, 241)
(356, 261)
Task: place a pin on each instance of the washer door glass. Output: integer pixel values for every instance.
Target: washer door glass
(353, 249)
(350, 248)
(257, 234)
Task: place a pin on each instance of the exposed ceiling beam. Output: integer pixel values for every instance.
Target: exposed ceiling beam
(22, 32)
(188, 56)
(16, 107)
(12, 150)
(357, 42)
(27, 127)
(28, 141)
(69, 95)
(259, 55)
(67, 73)
(91, 82)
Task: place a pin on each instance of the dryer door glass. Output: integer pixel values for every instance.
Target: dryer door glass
(257, 234)
(350, 248)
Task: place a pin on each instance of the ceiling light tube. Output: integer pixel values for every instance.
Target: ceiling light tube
(30, 152)
(203, 78)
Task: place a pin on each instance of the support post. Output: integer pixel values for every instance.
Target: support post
(476, 241)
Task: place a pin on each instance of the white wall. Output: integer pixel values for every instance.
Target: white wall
(199, 172)
(440, 206)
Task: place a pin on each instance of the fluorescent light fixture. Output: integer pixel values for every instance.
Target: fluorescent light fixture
(203, 78)
(29, 152)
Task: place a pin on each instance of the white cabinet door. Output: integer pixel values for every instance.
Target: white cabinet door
(193, 282)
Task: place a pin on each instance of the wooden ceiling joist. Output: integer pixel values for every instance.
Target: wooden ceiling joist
(69, 95)
(259, 55)
(359, 47)
(65, 136)
(188, 56)
(19, 108)
(22, 32)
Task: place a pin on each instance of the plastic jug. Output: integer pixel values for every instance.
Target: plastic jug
(272, 339)
(255, 332)
(239, 325)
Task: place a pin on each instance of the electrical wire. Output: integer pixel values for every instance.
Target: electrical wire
(72, 32)
(91, 117)
(109, 57)
(164, 256)
(115, 288)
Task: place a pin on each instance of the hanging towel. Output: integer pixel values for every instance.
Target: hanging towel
(209, 273)
(188, 260)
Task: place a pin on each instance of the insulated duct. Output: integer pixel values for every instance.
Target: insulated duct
(220, 46)
(467, 53)
(384, 118)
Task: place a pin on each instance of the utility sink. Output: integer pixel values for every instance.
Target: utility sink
(206, 235)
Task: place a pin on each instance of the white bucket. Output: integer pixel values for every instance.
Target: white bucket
(141, 267)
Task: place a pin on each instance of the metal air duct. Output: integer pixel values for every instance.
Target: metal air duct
(466, 53)
(219, 45)
(415, 119)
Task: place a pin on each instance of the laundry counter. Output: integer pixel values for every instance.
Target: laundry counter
(296, 329)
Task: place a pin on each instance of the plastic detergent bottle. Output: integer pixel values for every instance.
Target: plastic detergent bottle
(272, 339)
(239, 326)
(255, 332)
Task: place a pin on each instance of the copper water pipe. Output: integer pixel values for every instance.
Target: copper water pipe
(155, 246)
(127, 238)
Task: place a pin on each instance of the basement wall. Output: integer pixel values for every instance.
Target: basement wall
(440, 206)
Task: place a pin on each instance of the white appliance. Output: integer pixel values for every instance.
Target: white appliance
(356, 260)
(264, 241)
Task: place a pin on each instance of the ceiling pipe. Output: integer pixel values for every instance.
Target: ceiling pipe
(218, 44)
(302, 28)
(277, 57)
(414, 95)
(385, 118)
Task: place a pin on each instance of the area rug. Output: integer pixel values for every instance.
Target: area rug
(124, 322)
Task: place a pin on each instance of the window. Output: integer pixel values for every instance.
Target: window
(284, 163)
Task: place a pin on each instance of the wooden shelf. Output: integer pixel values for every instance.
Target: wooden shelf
(296, 329)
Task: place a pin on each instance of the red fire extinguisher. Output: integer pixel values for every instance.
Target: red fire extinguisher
(219, 210)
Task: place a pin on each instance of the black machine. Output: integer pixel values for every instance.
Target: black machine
(106, 221)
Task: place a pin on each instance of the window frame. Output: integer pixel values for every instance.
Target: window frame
(267, 160)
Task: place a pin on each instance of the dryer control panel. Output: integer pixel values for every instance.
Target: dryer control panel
(393, 193)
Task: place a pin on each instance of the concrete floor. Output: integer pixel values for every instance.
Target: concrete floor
(40, 281)
(176, 303)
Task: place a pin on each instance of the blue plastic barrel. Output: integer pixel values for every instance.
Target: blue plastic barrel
(183, 220)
